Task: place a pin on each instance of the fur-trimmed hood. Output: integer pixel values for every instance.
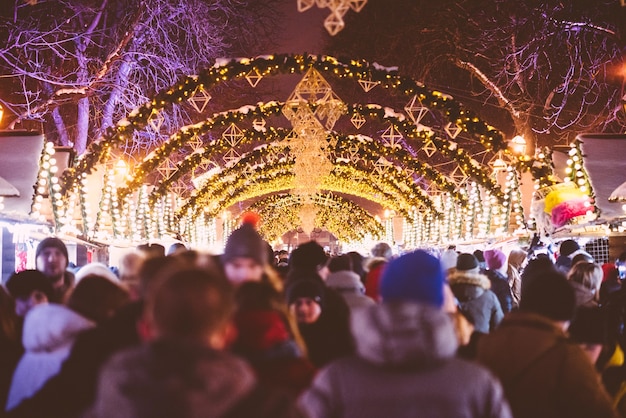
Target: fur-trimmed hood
(403, 334)
(466, 277)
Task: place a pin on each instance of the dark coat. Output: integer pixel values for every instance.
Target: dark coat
(544, 374)
(500, 286)
(475, 299)
(329, 337)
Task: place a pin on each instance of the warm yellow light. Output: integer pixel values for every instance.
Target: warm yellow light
(121, 167)
(518, 145)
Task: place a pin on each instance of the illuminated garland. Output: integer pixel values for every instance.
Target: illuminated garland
(368, 148)
(541, 168)
(231, 188)
(347, 221)
(360, 70)
(451, 150)
(221, 190)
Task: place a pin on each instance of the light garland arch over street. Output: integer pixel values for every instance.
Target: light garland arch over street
(152, 198)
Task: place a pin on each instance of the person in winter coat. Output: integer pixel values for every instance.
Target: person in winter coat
(381, 255)
(567, 250)
(544, 374)
(52, 259)
(516, 259)
(269, 339)
(347, 283)
(586, 279)
(49, 332)
(10, 346)
(472, 291)
(323, 318)
(184, 369)
(405, 364)
(496, 272)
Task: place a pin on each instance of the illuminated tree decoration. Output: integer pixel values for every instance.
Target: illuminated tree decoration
(577, 174)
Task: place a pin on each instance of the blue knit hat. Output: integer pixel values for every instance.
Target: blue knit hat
(413, 277)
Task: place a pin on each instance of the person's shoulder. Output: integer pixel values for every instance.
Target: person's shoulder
(266, 401)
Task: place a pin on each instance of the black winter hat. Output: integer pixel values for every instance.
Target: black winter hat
(245, 242)
(466, 262)
(52, 242)
(308, 256)
(551, 295)
(312, 289)
(568, 246)
(23, 283)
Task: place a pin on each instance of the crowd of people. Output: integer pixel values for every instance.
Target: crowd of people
(255, 333)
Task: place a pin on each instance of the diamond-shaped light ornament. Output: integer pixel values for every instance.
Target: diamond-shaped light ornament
(200, 100)
(392, 137)
(415, 110)
(429, 147)
(453, 130)
(232, 135)
(357, 5)
(304, 5)
(253, 77)
(167, 168)
(367, 85)
(357, 120)
(353, 150)
(334, 23)
(231, 157)
(157, 121)
(196, 144)
(459, 176)
(258, 124)
(382, 165)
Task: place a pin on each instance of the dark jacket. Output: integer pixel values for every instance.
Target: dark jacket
(475, 299)
(329, 337)
(543, 373)
(500, 286)
(67, 394)
(405, 367)
(166, 379)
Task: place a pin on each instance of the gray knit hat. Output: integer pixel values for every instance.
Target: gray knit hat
(52, 242)
(245, 242)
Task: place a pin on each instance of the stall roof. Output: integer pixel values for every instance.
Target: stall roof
(7, 189)
(605, 161)
(20, 152)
